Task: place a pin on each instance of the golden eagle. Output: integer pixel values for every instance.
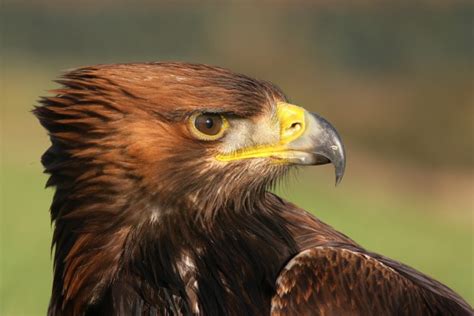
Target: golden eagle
(162, 207)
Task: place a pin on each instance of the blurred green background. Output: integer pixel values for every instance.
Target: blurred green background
(395, 77)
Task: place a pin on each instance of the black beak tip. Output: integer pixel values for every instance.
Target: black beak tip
(340, 166)
(339, 176)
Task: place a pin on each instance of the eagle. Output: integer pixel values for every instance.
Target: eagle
(163, 205)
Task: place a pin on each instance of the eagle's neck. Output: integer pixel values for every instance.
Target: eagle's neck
(228, 264)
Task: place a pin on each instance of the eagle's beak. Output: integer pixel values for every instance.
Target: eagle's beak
(304, 139)
(311, 140)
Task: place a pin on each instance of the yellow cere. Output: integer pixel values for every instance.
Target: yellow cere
(292, 125)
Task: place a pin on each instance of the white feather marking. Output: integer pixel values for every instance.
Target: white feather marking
(155, 214)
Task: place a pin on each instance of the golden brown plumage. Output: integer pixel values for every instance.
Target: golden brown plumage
(161, 207)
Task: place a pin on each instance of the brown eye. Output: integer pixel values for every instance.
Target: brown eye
(208, 126)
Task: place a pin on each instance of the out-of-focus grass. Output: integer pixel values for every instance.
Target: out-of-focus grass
(26, 265)
(441, 248)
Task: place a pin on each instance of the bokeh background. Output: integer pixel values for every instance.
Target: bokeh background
(395, 77)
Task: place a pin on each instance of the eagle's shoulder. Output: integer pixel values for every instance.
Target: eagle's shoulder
(306, 229)
(343, 279)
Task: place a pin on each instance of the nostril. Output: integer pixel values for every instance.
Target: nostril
(292, 129)
(295, 126)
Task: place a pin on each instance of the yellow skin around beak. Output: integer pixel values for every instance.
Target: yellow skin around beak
(303, 138)
(292, 124)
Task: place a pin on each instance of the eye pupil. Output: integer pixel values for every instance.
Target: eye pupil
(209, 123)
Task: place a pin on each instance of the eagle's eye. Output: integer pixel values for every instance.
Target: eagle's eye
(208, 126)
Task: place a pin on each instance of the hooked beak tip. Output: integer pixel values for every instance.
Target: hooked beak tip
(339, 176)
(338, 162)
(330, 147)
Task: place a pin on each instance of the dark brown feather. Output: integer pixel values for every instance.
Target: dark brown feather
(338, 279)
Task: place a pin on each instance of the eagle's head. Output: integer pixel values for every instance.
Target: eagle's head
(180, 133)
(135, 143)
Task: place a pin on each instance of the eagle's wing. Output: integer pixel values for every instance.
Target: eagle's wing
(338, 279)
